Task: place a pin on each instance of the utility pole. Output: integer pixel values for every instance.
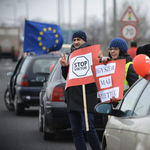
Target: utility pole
(85, 10)
(115, 14)
(70, 28)
(104, 38)
(58, 7)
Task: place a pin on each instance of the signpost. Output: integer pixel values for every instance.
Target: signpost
(129, 31)
(129, 16)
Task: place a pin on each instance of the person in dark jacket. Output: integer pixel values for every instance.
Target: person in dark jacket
(144, 50)
(118, 50)
(74, 98)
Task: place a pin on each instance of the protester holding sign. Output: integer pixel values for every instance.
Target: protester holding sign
(74, 95)
(118, 50)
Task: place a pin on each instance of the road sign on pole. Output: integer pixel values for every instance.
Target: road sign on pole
(129, 32)
(129, 16)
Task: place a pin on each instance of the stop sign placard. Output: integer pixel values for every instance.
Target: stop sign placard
(80, 66)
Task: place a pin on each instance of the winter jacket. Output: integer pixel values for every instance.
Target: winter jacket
(132, 76)
(74, 94)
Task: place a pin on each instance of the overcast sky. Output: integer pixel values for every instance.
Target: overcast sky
(47, 10)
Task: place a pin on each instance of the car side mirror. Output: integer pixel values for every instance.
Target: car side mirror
(103, 108)
(40, 79)
(10, 73)
(107, 109)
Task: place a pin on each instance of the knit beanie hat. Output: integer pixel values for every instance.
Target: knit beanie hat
(79, 34)
(139, 50)
(119, 43)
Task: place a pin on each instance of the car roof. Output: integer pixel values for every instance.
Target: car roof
(43, 56)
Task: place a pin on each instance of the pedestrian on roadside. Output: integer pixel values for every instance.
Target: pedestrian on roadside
(132, 50)
(144, 50)
(74, 98)
(118, 50)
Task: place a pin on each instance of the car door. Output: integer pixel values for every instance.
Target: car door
(13, 78)
(130, 121)
(141, 119)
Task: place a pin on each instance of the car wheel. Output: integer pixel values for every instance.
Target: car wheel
(105, 148)
(19, 109)
(9, 106)
(46, 135)
(40, 122)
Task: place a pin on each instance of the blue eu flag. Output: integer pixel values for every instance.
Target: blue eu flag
(42, 38)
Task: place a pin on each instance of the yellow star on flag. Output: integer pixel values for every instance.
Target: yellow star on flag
(54, 31)
(45, 29)
(41, 33)
(40, 44)
(39, 38)
(54, 45)
(49, 28)
(57, 41)
(44, 48)
(56, 35)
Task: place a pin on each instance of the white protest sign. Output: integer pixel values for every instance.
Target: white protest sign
(105, 82)
(109, 93)
(80, 66)
(107, 69)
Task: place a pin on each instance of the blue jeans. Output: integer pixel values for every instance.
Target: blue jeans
(77, 121)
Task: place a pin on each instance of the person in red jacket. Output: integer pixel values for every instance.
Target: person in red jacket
(132, 50)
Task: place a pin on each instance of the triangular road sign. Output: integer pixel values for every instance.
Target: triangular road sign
(129, 16)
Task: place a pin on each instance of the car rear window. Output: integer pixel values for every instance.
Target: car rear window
(25, 65)
(42, 65)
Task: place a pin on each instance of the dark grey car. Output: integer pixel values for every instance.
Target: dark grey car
(23, 87)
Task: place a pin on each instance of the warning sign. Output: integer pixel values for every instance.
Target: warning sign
(129, 16)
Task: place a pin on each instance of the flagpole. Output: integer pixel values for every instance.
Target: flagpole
(85, 107)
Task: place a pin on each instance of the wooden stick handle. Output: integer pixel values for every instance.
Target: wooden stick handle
(85, 108)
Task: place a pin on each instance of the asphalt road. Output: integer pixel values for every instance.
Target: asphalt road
(21, 132)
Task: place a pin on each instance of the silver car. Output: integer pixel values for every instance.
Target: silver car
(128, 128)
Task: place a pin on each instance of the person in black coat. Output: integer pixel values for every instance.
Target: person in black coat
(144, 50)
(74, 99)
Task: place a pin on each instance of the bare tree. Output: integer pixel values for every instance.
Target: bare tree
(142, 25)
(94, 31)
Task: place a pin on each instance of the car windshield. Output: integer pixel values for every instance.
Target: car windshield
(130, 99)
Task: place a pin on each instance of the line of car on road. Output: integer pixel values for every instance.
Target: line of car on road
(32, 84)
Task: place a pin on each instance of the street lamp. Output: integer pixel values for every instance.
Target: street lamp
(27, 7)
(14, 7)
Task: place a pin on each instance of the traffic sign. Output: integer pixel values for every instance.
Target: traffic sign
(129, 16)
(129, 32)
